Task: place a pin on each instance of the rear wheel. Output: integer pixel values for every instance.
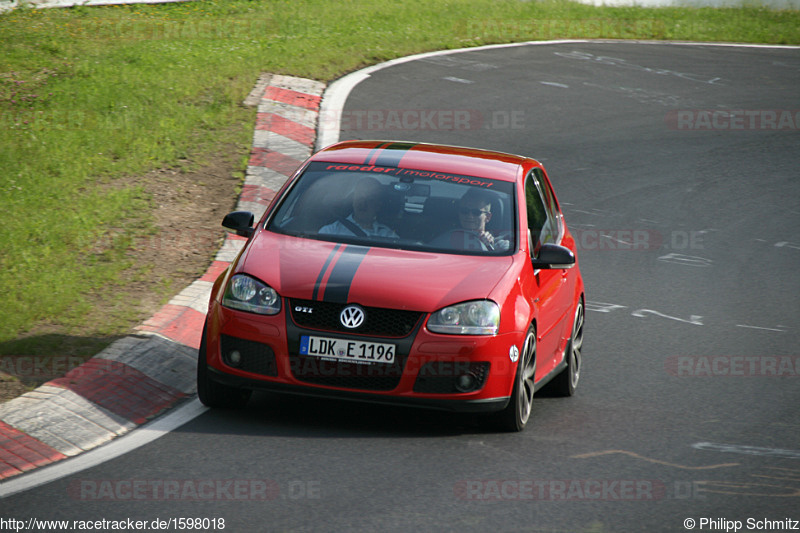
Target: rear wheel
(211, 393)
(516, 414)
(567, 381)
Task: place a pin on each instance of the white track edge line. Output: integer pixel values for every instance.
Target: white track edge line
(115, 448)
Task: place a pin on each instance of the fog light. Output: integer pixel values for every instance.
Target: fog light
(235, 358)
(466, 382)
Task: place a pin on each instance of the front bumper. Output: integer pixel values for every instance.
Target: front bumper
(425, 374)
(487, 405)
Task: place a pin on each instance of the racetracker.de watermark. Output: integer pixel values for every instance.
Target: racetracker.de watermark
(26, 120)
(636, 239)
(173, 30)
(192, 241)
(192, 490)
(732, 366)
(733, 119)
(538, 29)
(422, 119)
(561, 490)
(47, 367)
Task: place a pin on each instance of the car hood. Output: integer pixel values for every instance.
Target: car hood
(374, 277)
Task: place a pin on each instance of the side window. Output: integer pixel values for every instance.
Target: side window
(553, 213)
(542, 222)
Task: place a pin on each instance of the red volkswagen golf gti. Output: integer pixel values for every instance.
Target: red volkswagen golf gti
(405, 273)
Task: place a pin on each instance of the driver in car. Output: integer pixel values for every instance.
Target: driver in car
(363, 221)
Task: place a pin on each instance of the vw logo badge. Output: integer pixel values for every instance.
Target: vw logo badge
(352, 316)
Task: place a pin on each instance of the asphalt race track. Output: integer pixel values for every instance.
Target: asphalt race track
(676, 167)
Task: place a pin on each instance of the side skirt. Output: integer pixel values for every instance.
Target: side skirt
(553, 373)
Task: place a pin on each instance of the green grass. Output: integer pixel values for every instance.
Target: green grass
(90, 97)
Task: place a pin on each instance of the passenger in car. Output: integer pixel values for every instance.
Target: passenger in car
(474, 212)
(363, 221)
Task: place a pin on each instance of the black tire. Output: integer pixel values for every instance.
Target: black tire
(213, 394)
(565, 383)
(515, 416)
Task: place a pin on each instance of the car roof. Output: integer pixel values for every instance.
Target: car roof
(424, 156)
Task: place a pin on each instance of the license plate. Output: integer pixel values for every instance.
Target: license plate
(347, 350)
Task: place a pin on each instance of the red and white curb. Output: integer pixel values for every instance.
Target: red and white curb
(140, 376)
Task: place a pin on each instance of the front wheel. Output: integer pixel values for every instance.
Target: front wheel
(518, 411)
(213, 394)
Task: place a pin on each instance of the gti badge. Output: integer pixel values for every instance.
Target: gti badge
(352, 316)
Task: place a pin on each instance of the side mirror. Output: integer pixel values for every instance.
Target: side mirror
(553, 256)
(240, 222)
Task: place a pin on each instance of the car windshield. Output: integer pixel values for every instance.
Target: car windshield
(399, 208)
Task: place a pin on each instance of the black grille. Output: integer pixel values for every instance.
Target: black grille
(256, 357)
(440, 377)
(379, 322)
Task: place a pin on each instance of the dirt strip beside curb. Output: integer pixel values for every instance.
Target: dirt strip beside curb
(141, 376)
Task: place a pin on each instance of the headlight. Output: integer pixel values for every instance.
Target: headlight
(248, 294)
(480, 317)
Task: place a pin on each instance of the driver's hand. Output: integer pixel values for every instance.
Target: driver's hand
(487, 239)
